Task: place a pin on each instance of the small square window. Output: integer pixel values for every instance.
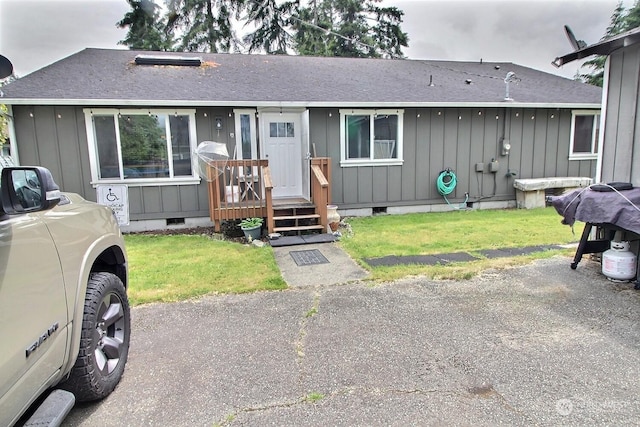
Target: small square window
(585, 133)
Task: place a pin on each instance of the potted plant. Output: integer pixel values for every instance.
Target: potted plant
(252, 228)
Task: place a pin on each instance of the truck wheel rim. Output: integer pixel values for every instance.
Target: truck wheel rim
(110, 330)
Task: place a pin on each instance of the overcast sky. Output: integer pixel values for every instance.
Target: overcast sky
(35, 33)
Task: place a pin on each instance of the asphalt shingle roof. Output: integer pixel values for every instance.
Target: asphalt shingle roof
(111, 77)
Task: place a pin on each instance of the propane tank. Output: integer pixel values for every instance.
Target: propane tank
(618, 263)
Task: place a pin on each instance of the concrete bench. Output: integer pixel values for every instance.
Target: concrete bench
(530, 193)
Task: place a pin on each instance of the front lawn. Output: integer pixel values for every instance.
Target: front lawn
(166, 268)
(177, 267)
(455, 231)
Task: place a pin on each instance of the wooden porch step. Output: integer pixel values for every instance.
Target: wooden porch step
(287, 205)
(294, 217)
(298, 228)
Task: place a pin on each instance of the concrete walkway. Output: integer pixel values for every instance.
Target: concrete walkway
(316, 264)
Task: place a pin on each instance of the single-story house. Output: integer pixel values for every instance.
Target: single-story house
(367, 135)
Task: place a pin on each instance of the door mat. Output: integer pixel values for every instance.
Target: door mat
(310, 257)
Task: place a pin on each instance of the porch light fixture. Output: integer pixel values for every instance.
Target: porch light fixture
(218, 123)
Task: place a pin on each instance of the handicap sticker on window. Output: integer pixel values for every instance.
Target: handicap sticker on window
(117, 198)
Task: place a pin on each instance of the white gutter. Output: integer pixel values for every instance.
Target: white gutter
(291, 104)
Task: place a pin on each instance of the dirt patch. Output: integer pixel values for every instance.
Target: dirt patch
(229, 233)
(204, 231)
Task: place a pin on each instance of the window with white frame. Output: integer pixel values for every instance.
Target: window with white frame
(141, 145)
(246, 144)
(371, 137)
(585, 132)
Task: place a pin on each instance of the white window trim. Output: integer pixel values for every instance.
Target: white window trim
(153, 182)
(344, 162)
(594, 141)
(252, 129)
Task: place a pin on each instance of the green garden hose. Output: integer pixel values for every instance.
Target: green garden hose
(446, 184)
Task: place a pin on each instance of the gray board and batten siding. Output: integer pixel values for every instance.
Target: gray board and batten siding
(57, 140)
(456, 138)
(621, 149)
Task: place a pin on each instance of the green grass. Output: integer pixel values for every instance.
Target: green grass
(178, 267)
(454, 231)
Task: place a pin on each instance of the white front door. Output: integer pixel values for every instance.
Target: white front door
(282, 145)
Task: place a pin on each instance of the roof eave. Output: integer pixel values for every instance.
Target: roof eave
(293, 104)
(604, 47)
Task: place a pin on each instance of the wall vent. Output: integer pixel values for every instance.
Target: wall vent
(183, 61)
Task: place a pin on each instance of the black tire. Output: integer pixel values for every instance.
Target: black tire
(104, 341)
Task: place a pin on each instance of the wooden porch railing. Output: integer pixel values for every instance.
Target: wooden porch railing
(241, 189)
(321, 187)
(237, 190)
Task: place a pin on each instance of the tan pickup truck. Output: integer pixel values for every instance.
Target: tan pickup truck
(64, 312)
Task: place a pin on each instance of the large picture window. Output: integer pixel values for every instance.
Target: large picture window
(585, 132)
(371, 137)
(141, 145)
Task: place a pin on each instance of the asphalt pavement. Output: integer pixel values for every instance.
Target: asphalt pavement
(539, 345)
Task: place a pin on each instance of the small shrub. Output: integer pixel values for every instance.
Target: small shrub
(251, 222)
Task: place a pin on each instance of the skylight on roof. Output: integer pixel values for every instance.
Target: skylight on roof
(189, 61)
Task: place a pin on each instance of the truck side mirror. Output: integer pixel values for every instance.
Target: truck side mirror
(28, 189)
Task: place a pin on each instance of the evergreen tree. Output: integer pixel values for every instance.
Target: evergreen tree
(272, 22)
(203, 25)
(352, 28)
(632, 19)
(389, 37)
(312, 27)
(146, 32)
(621, 21)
